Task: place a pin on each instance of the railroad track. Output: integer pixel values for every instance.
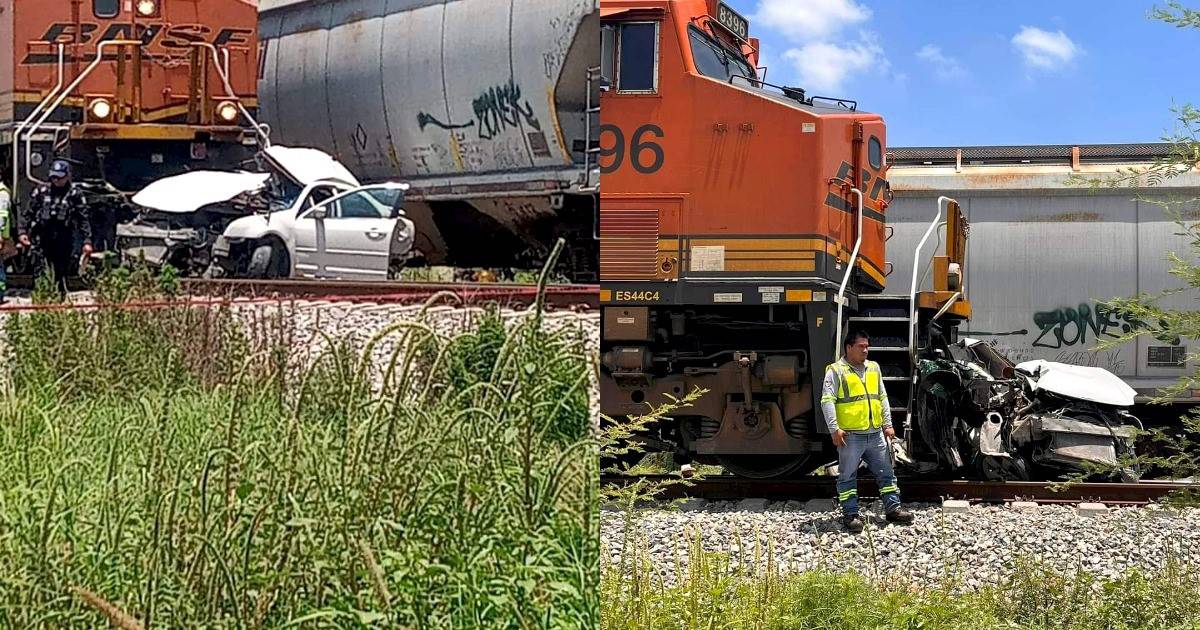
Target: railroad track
(575, 296)
(561, 296)
(728, 487)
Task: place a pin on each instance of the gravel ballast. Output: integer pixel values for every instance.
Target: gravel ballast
(309, 326)
(969, 549)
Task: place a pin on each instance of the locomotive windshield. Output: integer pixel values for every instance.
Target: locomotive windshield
(715, 60)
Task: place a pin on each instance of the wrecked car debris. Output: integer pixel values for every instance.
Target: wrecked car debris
(979, 414)
(305, 215)
(179, 217)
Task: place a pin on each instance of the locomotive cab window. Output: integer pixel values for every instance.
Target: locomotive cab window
(875, 153)
(630, 50)
(716, 61)
(106, 8)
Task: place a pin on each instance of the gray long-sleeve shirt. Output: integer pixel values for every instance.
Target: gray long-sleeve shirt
(830, 389)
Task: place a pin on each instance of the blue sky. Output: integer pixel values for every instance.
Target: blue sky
(961, 73)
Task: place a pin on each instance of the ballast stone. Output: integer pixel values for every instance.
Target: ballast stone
(954, 506)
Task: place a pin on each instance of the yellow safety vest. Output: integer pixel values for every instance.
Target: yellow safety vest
(859, 405)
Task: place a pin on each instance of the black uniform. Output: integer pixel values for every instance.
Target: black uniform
(53, 218)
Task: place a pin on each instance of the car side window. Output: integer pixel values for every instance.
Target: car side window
(317, 196)
(359, 206)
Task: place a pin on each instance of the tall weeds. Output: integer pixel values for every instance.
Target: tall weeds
(715, 592)
(172, 468)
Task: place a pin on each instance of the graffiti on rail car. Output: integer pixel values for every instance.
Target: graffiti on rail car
(1068, 326)
(499, 108)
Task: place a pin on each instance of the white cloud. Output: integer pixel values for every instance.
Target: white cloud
(945, 68)
(823, 67)
(1043, 49)
(807, 20)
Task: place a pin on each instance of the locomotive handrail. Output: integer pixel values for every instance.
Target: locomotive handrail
(63, 95)
(841, 102)
(16, 153)
(794, 93)
(946, 306)
(798, 94)
(263, 136)
(841, 295)
(589, 110)
(912, 294)
(929, 267)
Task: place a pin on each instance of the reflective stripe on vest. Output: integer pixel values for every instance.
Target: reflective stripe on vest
(9, 212)
(859, 404)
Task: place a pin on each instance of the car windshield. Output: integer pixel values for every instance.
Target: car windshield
(714, 60)
(284, 193)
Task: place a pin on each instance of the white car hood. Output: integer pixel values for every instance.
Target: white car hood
(1093, 384)
(189, 192)
(307, 166)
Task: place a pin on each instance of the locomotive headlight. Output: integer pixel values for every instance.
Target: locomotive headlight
(227, 111)
(100, 108)
(147, 8)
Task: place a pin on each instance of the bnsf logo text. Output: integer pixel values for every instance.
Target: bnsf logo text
(171, 39)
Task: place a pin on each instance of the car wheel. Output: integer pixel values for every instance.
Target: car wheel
(260, 262)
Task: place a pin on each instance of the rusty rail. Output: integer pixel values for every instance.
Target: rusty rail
(562, 296)
(728, 487)
(200, 292)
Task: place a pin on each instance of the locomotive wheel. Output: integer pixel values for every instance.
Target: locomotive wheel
(763, 466)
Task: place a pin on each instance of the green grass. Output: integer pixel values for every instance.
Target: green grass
(712, 594)
(176, 467)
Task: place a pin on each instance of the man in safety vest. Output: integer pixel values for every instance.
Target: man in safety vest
(859, 419)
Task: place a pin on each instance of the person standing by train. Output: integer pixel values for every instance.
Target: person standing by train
(856, 411)
(55, 215)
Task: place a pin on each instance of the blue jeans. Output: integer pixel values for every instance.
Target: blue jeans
(871, 447)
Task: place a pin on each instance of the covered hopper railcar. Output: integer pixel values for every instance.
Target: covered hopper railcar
(482, 105)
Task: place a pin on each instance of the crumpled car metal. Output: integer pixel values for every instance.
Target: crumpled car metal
(978, 414)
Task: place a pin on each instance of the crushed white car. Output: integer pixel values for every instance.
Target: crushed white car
(976, 413)
(308, 216)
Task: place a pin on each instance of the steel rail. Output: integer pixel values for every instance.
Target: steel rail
(558, 295)
(200, 292)
(728, 487)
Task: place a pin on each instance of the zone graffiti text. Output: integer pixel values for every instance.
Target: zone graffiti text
(1069, 325)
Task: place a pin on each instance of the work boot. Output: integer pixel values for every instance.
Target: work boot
(853, 523)
(901, 516)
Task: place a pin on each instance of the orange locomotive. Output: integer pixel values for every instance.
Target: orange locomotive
(128, 90)
(730, 210)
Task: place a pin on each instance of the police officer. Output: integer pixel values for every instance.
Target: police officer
(54, 216)
(859, 420)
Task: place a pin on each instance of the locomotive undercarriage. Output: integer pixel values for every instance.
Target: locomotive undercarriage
(754, 363)
(976, 415)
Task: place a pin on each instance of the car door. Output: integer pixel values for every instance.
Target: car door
(353, 238)
(304, 232)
